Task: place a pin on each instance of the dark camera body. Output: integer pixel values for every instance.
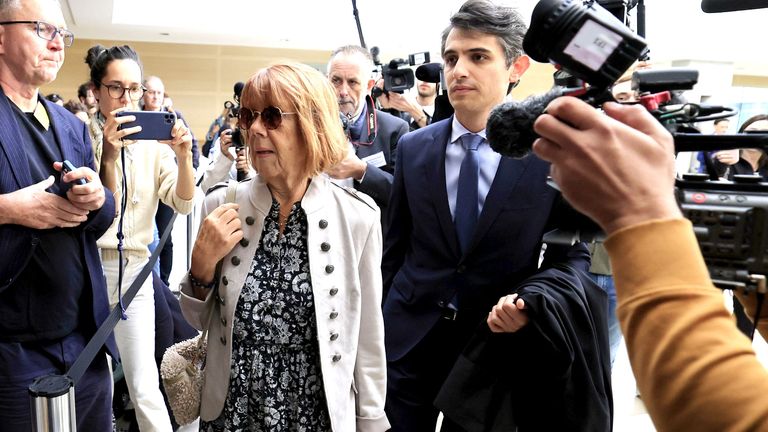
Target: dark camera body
(237, 139)
(730, 221)
(397, 76)
(587, 40)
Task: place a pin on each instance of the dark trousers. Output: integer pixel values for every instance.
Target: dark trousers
(414, 380)
(162, 218)
(21, 363)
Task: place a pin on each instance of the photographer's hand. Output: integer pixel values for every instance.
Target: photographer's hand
(181, 144)
(225, 142)
(407, 104)
(727, 157)
(618, 169)
(112, 141)
(113, 138)
(242, 162)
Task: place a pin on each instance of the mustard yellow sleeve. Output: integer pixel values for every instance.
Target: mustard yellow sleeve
(695, 370)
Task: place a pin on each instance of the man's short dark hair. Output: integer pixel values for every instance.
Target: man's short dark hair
(75, 107)
(720, 120)
(82, 91)
(485, 17)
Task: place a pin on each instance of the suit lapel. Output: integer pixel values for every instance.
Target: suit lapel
(11, 145)
(64, 134)
(434, 168)
(508, 174)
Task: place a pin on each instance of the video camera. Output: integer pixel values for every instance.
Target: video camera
(397, 74)
(233, 108)
(730, 218)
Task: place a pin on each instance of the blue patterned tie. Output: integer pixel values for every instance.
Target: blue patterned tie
(466, 197)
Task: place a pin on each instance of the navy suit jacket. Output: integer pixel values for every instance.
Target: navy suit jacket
(17, 242)
(423, 267)
(377, 182)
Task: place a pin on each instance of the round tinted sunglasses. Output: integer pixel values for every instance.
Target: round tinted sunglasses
(272, 117)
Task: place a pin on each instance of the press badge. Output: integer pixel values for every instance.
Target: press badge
(378, 160)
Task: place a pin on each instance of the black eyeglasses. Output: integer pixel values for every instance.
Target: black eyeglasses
(117, 91)
(47, 31)
(271, 116)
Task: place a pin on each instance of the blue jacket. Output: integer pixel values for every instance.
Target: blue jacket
(17, 242)
(423, 267)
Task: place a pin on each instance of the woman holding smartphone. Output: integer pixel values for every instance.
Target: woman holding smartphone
(150, 173)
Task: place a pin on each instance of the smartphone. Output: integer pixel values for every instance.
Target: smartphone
(155, 125)
(66, 167)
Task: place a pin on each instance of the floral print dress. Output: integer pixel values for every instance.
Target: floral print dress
(276, 383)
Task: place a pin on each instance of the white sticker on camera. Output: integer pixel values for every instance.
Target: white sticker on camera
(592, 45)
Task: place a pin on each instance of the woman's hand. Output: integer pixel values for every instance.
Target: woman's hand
(727, 157)
(181, 143)
(113, 138)
(219, 233)
(242, 161)
(225, 142)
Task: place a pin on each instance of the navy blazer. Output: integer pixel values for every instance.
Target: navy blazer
(423, 267)
(17, 242)
(377, 182)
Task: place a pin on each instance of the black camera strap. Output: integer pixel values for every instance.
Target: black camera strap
(100, 337)
(371, 124)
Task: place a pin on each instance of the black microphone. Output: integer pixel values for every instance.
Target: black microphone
(715, 6)
(429, 72)
(510, 125)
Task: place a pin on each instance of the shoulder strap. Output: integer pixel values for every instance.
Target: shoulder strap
(231, 191)
(93, 347)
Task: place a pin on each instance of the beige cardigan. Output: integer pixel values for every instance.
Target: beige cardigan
(347, 287)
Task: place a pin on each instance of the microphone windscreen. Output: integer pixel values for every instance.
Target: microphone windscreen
(239, 88)
(429, 72)
(509, 129)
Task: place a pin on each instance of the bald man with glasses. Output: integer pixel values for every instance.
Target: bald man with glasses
(52, 291)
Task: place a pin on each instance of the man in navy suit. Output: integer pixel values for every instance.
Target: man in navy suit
(52, 290)
(373, 134)
(459, 244)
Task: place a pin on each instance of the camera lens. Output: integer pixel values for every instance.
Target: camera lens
(586, 40)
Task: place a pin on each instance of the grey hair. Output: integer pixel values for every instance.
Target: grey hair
(8, 7)
(350, 50)
(482, 16)
(152, 77)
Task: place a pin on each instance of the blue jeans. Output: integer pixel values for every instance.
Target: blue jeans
(614, 331)
(22, 362)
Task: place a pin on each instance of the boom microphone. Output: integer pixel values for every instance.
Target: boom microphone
(509, 130)
(429, 72)
(715, 6)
